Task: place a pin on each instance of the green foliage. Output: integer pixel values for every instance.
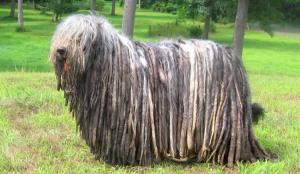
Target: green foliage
(291, 11)
(167, 7)
(175, 29)
(121, 3)
(171, 29)
(85, 5)
(157, 7)
(20, 29)
(181, 15)
(212, 27)
(265, 13)
(60, 7)
(70, 7)
(63, 6)
(224, 11)
(148, 3)
(196, 8)
(100, 4)
(195, 31)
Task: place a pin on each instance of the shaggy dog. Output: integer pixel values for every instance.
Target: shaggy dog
(136, 103)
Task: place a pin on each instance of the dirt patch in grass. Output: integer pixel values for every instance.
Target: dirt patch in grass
(17, 154)
(295, 99)
(18, 110)
(17, 113)
(54, 109)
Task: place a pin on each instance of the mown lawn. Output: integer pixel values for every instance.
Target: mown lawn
(38, 135)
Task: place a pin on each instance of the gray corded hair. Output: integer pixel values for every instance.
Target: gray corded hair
(136, 103)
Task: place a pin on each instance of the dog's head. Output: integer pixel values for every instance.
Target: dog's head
(77, 43)
(72, 46)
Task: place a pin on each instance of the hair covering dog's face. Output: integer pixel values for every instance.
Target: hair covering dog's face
(60, 65)
(70, 45)
(74, 44)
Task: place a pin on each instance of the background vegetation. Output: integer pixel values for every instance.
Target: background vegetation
(38, 135)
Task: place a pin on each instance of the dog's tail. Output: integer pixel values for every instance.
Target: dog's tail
(258, 112)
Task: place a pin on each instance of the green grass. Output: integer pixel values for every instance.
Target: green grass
(38, 135)
(28, 51)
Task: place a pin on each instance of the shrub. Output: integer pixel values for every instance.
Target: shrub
(62, 7)
(165, 7)
(69, 7)
(167, 30)
(212, 27)
(170, 8)
(195, 31)
(157, 6)
(20, 29)
(121, 3)
(175, 29)
(100, 5)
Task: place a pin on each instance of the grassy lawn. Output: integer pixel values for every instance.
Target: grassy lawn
(38, 135)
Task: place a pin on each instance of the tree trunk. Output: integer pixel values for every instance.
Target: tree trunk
(209, 4)
(240, 25)
(128, 17)
(12, 8)
(33, 4)
(93, 6)
(206, 27)
(113, 8)
(20, 15)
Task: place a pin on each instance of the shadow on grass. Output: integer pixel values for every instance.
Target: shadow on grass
(8, 19)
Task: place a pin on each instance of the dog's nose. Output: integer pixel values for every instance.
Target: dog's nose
(61, 50)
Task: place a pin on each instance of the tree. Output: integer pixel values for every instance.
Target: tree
(209, 5)
(60, 7)
(139, 4)
(266, 13)
(33, 4)
(93, 6)
(12, 8)
(113, 8)
(291, 11)
(240, 25)
(128, 17)
(20, 15)
(197, 8)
